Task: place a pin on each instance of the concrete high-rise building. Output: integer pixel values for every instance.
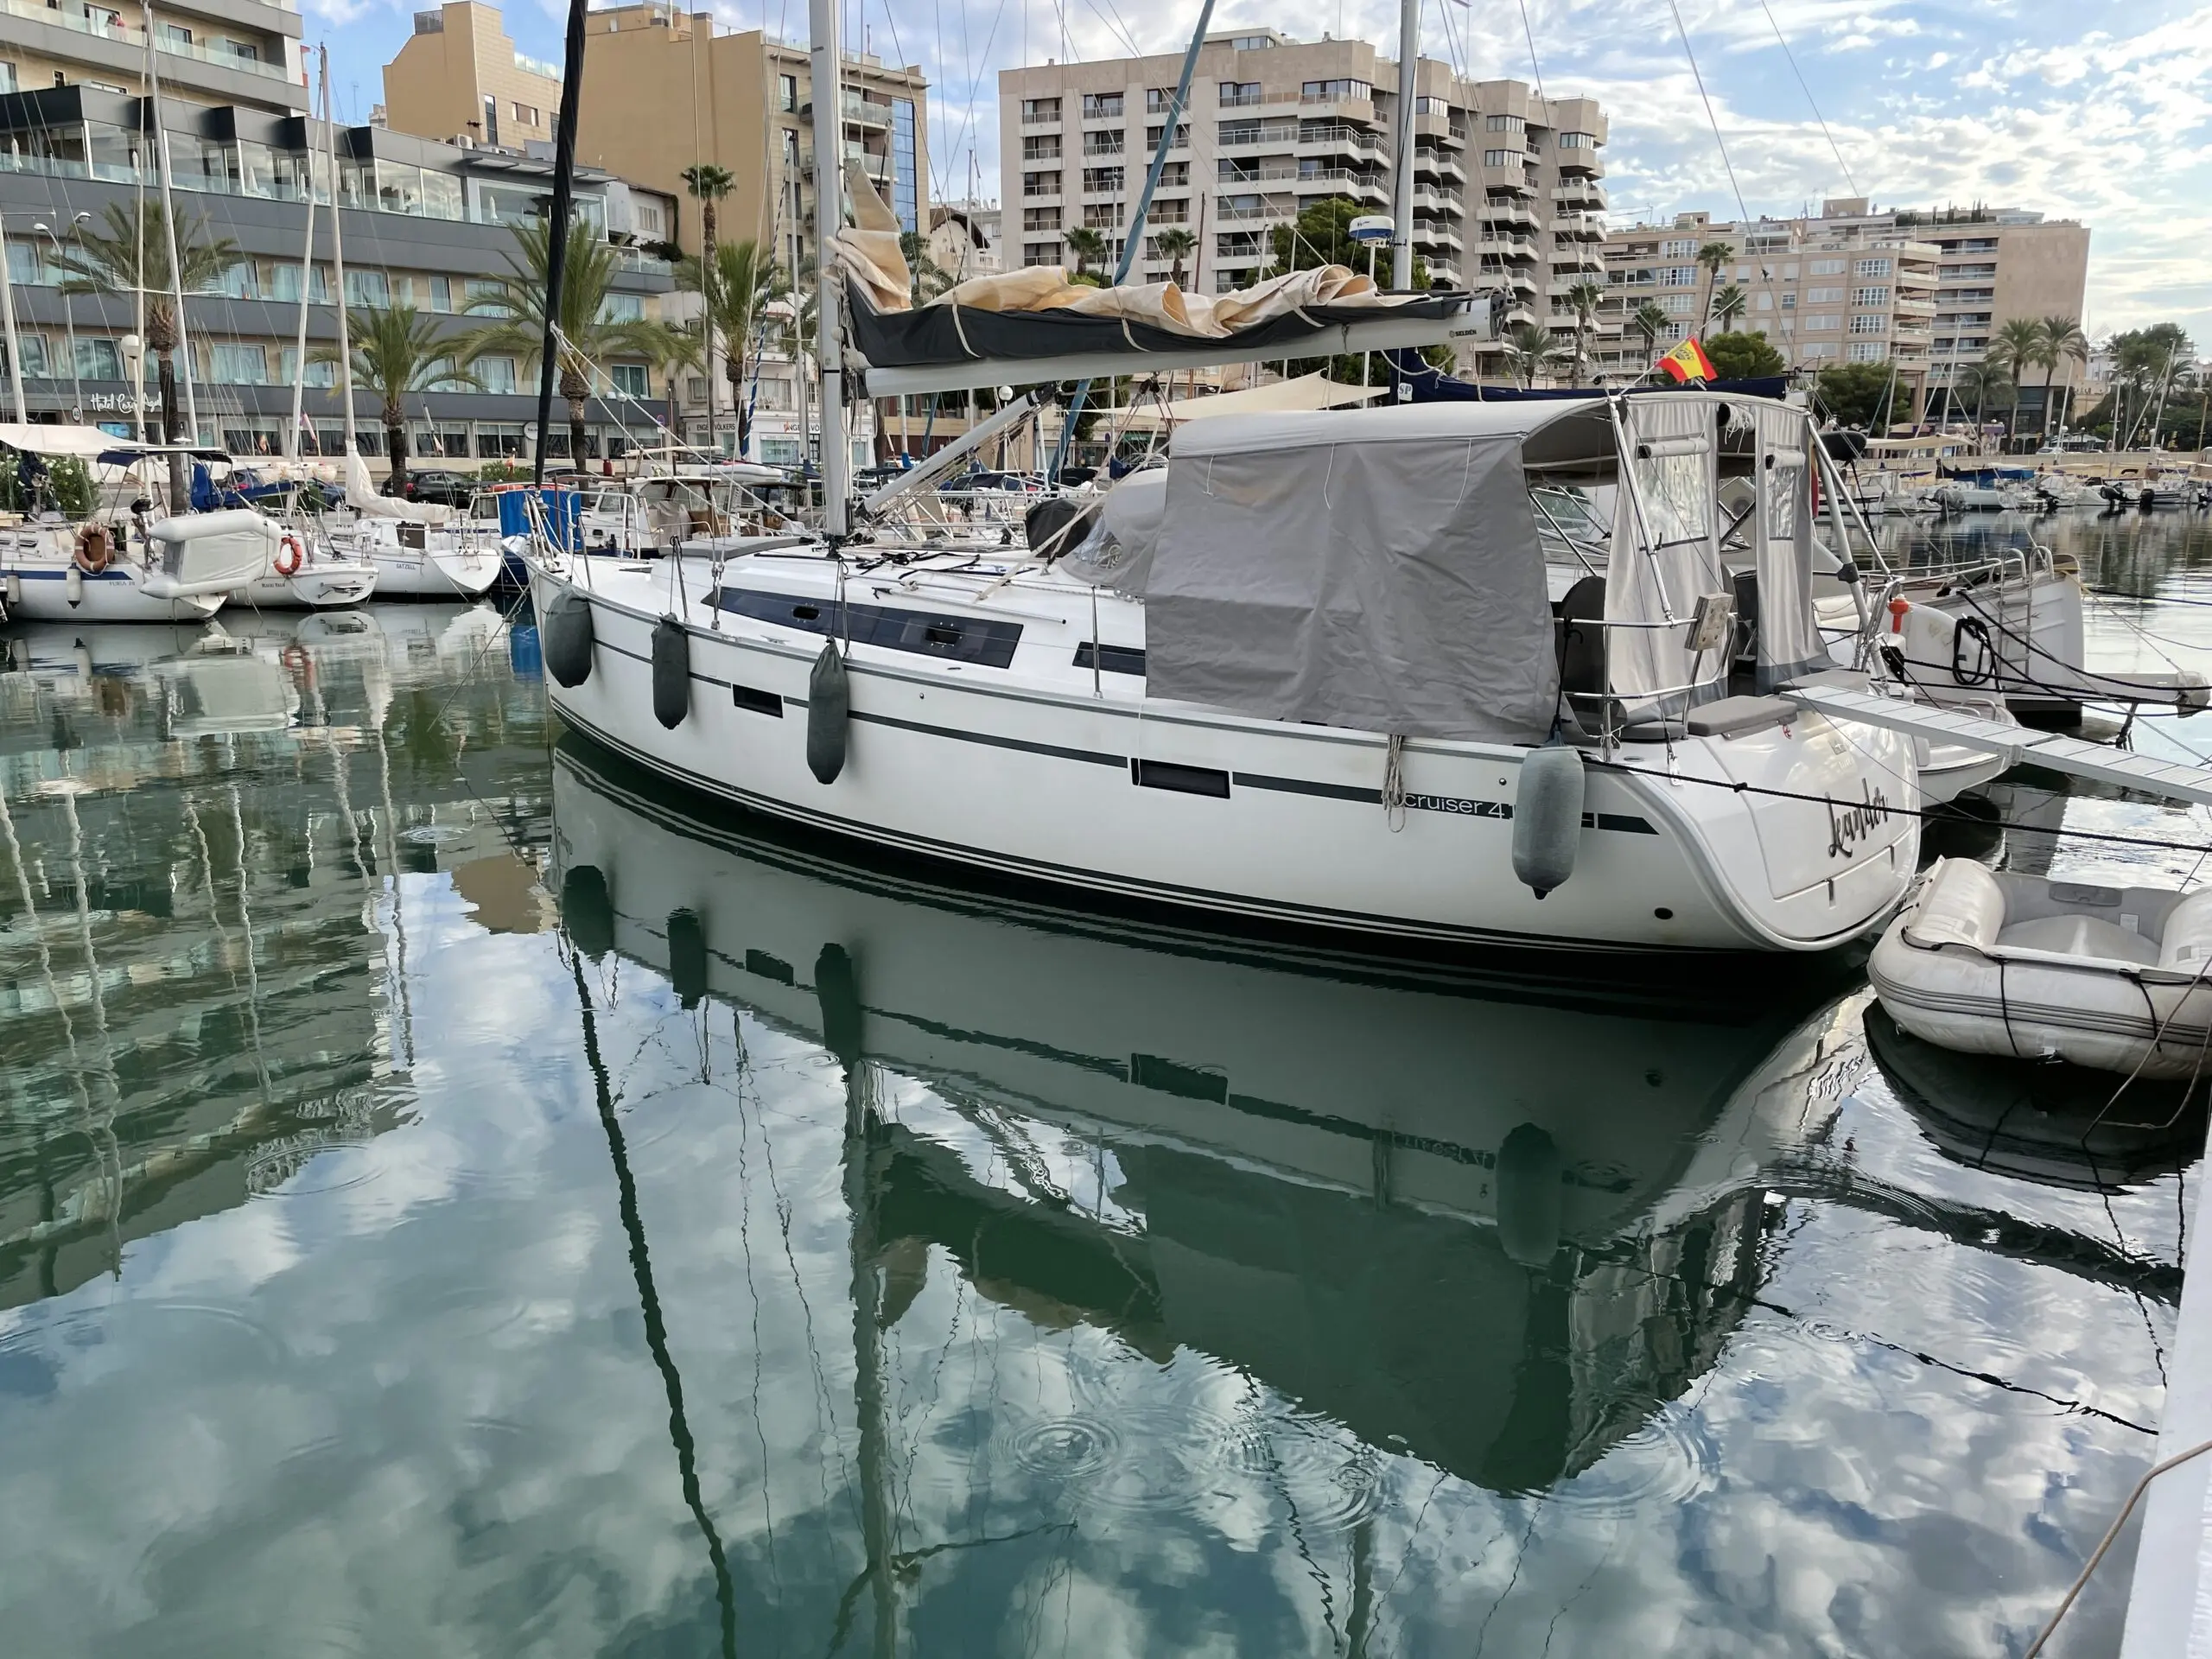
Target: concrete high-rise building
(461, 77)
(242, 53)
(1508, 197)
(665, 90)
(1927, 292)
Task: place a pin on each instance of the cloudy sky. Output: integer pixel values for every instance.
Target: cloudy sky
(1925, 101)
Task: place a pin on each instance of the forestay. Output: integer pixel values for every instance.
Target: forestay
(1375, 570)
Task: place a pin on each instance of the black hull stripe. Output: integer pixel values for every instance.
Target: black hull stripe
(1162, 893)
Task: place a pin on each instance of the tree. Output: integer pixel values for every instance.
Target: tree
(733, 284)
(1177, 243)
(1730, 304)
(589, 337)
(1742, 357)
(1976, 385)
(2017, 348)
(1713, 256)
(132, 254)
(2062, 339)
(1530, 348)
(1584, 299)
(683, 352)
(397, 353)
(1086, 245)
(707, 184)
(1857, 394)
(926, 278)
(1651, 321)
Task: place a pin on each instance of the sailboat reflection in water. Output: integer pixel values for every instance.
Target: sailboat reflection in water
(1496, 1231)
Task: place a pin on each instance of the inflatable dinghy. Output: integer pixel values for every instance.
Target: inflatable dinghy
(2117, 979)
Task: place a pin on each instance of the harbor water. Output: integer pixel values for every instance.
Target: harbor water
(459, 1196)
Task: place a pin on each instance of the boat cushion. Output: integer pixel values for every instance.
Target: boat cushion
(2079, 936)
(1733, 716)
(1960, 905)
(2187, 937)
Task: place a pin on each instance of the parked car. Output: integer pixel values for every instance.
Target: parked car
(437, 488)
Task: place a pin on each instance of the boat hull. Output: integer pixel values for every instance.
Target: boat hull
(43, 593)
(1200, 809)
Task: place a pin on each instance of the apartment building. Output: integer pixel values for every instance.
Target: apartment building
(424, 224)
(1508, 198)
(460, 76)
(242, 53)
(1927, 292)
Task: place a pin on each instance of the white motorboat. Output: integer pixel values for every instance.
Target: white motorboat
(1074, 723)
(2111, 978)
(414, 560)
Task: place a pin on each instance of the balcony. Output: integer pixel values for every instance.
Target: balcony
(1242, 100)
(860, 112)
(1435, 232)
(1338, 138)
(1225, 214)
(1257, 176)
(1338, 180)
(1041, 118)
(1505, 247)
(134, 38)
(1032, 191)
(1272, 133)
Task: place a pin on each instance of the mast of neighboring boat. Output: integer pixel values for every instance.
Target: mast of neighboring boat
(557, 234)
(176, 270)
(337, 262)
(829, 217)
(15, 350)
(1402, 226)
(307, 284)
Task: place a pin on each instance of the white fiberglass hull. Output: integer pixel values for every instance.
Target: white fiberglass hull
(1029, 771)
(432, 573)
(314, 586)
(44, 591)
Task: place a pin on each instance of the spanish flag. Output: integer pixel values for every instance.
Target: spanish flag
(1688, 362)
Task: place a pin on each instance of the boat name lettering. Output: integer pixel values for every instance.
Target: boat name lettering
(1854, 823)
(1466, 809)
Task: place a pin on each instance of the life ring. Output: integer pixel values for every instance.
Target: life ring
(95, 548)
(290, 555)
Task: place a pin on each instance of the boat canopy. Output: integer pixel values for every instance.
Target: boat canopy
(72, 442)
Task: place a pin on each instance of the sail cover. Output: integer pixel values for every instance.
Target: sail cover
(1377, 571)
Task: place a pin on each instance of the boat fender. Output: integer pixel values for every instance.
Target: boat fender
(564, 633)
(15, 590)
(837, 989)
(687, 956)
(1530, 1196)
(73, 584)
(1547, 819)
(587, 910)
(829, 716)
(671, 672)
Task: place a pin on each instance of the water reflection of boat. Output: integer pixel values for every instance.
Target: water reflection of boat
(2055, 1125)
(1501, 1228)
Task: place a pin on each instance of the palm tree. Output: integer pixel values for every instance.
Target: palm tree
(589, 337)
(397, 353)
(1730, 303)
(927, 278)
(1177, 243)
(738, 280)
(1531, 349)
(1651, 321)
(1584, 299)
(1713, 256)
(133, 253)
(1086, 245)
(708, 185)
(2018, 346)
(2061, 339)
(1979, 384)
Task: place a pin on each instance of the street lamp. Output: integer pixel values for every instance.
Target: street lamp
(69, 317)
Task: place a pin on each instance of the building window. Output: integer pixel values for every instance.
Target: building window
(1044, 146)
(1873, 267)
(501, 440)
(906, 177)
(496, 374)
(1867, 351)
(1678, 276)
(1870, 325)
(1827, 268)
(1177, 211)
(1237, 244)
(1501, 158)
(1680, 248)
(1108, 141)
(771, 391)
(1159, 100)
(1239, 94)
(1824, 297)
(1037, 109)
(787, 94)
(1102, 216)
(1869, 296)
(1041, 218)
(98, 360)
(1821, 324)
(1319, 91)
(369, 288)
(1040, 184)
(1176, 176)
(526, 114)
(34, 347)
(1422, 104)
(171, 34)
(1502, 124)
(6, 77)
(1040, 253)
(237, 366)
(632, 379)
(1577, 141)
(1101, 106)
(1152, 135)
(491, 119)
(622, 307)
(1104, 179)
(1789, 302)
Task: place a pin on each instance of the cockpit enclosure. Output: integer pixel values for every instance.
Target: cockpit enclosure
(1382, 569)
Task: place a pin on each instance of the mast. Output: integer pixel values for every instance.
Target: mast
(556, 239)
(307, 283)
(176, 271)
(337, 262)
(829, 217)
(15, 350)
(1401, 227)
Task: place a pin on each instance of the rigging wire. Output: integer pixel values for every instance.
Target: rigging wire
(1530, 34)
(1809, 98)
